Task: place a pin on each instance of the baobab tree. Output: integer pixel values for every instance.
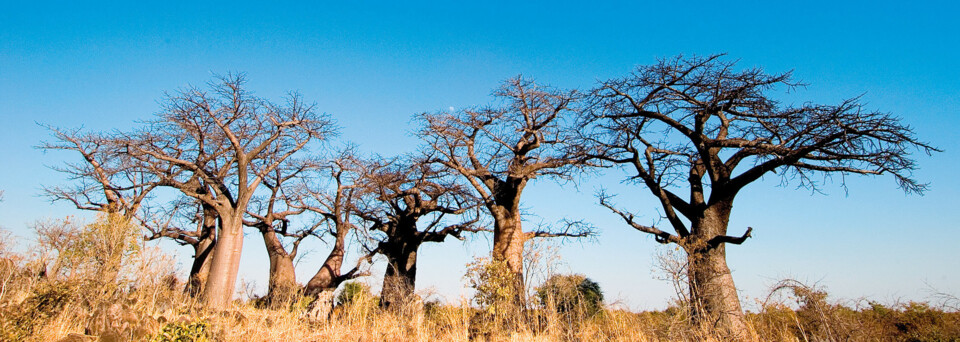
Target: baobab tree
(399, 193)
(702, 126)
(273, 216)
(500, 149)
(222, 144)
(333, 198)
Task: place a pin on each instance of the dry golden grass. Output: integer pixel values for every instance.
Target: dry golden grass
(127, 293)
(52, 311)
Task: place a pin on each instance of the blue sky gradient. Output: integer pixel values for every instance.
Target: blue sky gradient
(372, 65)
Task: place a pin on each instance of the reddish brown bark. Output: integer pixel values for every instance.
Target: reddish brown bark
(282, 282)
(203, 252)
(329, 276)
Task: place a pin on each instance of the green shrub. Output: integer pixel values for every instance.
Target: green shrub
(496, 286)
(353, 292)
(571, 294)
(183, 332)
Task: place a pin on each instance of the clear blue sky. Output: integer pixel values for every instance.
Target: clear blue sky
(372, 65)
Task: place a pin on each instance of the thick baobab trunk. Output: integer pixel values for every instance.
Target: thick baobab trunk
(328, 277)
(713, 295)
(283, 279)
(200, 270)
(203, 252)
(222, 280)
(399, 280)
(508, 239)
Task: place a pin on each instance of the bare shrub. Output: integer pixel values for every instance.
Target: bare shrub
(797, 311)
(94, 278)
(814, 317)
(95, 252)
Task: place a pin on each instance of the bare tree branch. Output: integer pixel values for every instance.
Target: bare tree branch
(700, 125)
(499, 148)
